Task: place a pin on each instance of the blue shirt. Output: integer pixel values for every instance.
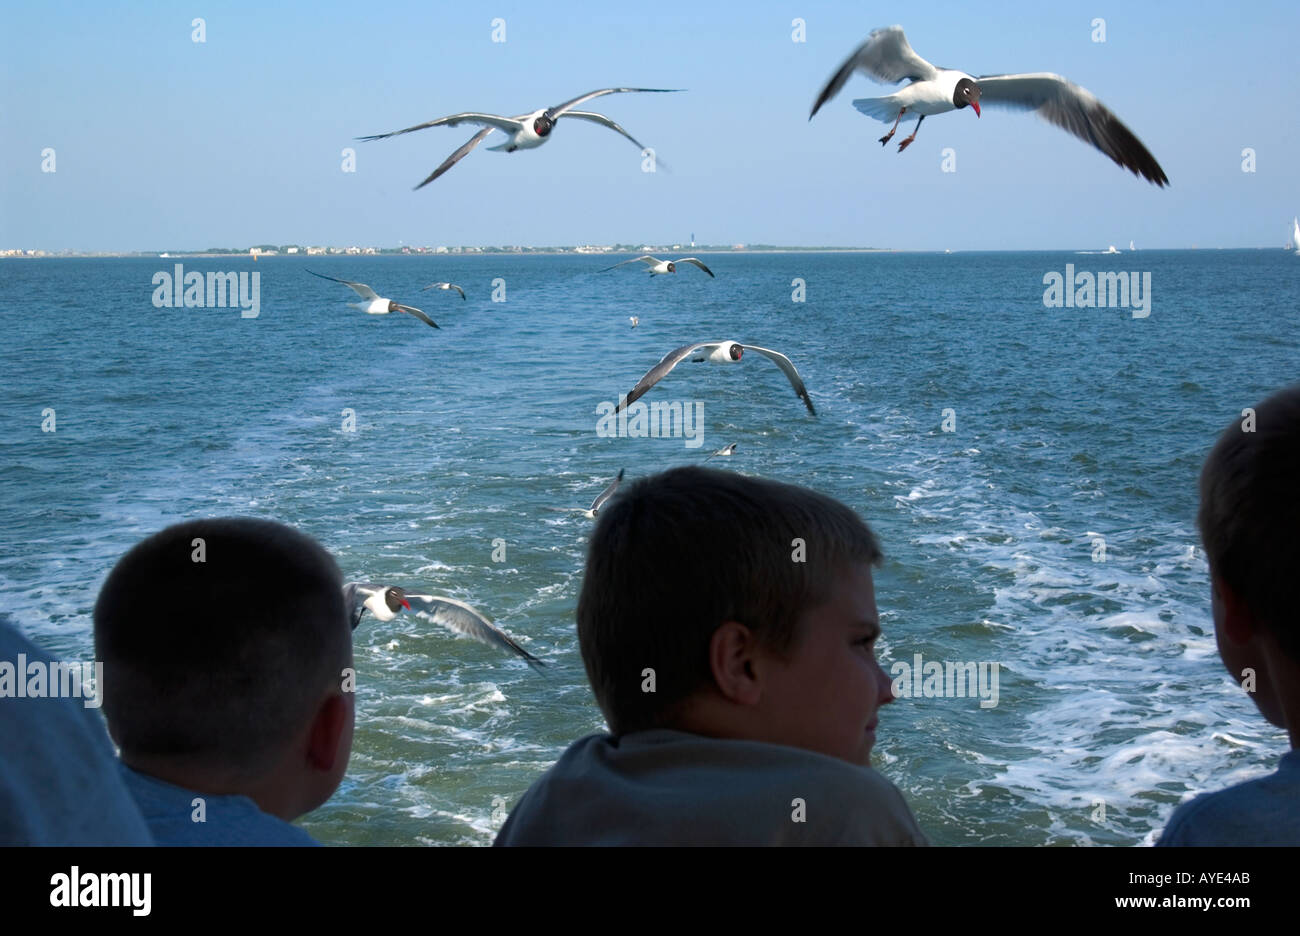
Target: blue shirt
(170, 813)
(1259, 812)
(58, 784)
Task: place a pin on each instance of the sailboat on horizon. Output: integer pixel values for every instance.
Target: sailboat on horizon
(1295, 235)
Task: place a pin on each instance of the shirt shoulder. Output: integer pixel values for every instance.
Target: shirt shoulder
(670, 787)
(845, 804)
(1265, 811)
(58, 783)
(179, 816)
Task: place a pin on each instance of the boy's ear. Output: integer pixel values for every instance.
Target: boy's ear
(731, 659)
(1234, 617)
(327, 732)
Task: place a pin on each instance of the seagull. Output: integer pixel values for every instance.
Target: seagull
(717, 352)
(445, 286)
(635, 320)
(604, 495)
(887, 57)
(725, 451)
(527, 131)
(591, 512)
(374, 303)
(659, 267)
(388, 601)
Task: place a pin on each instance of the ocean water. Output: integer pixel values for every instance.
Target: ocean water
(1070, 424)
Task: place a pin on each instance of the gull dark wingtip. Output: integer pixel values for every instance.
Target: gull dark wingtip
(819, 102)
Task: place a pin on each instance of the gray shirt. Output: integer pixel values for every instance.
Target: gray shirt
(1258, 812)
(672, 788)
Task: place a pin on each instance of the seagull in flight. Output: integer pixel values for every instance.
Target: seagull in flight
(887, 57)
(725, 451)
(387, 601)
(660, 267)
(373, 303)
(527, 131)
(721, 352)
(591, 512)
(445, 286)
(635, 320)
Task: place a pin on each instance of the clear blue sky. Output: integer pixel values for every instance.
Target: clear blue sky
(161, 142)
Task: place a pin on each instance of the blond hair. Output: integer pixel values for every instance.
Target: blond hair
(675, 555)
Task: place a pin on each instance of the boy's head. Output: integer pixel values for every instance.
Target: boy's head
(223, 643)
(1250, 520)
(750, 600)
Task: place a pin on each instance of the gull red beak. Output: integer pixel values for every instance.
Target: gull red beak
(406, 604)
(976, 105)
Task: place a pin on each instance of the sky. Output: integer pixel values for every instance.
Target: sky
(160, 142)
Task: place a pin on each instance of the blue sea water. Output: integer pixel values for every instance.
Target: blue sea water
(1070, 424)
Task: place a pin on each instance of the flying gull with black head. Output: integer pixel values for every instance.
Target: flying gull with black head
(660, 267)
(387, 601)
(718, 352)
(527, 131)
(374, 304)
(887, 57)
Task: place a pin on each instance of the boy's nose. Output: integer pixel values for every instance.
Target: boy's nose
(884, 686)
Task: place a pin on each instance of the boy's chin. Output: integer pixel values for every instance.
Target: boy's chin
(854, 750)
(858, 756)
(1263, 695)
(1268, 707)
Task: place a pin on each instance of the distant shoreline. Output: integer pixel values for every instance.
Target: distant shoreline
(498, 252)
(461, 252)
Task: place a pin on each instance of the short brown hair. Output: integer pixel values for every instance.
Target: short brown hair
(1250, 513)
(219, 661)
(676, 554)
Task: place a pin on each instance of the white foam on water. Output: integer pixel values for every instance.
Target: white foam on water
(1111, 690)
